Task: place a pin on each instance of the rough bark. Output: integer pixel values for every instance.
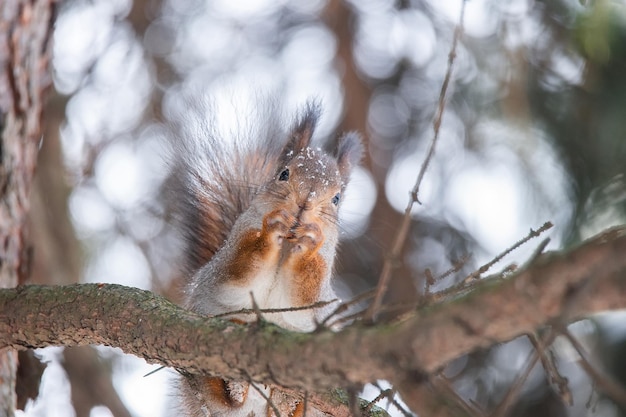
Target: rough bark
(24, 56)
(557, 287)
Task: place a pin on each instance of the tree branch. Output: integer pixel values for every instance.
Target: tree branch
(564, 286)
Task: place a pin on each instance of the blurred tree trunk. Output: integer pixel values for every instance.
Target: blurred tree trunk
(341, 19)
(25, 29)
(57, 260)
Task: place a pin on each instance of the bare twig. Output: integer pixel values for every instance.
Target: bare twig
(592, 400)
(341, 308)
(430, 279)
(562, 382)
(353, 402)
(305, 403)
(517, 385)
(347, 319)
(532, 234)
(392, 400)
(604, 381)
(443, 386)
(440, 110)
(410, 305)
(265, 397)
(538, 250)
(464, 288)
(154, 371)
(550, 367)
(400, 408)
(384, 393)
(403, 231)
(318, 304)
(455, 268)
(256, 309)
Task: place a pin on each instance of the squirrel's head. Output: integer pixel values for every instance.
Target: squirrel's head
(311, 180)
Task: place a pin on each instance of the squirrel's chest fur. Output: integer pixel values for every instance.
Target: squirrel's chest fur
(271, 287)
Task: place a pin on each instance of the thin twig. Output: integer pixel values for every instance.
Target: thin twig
(383, 394)
(345, 305)
(517, 385)
(348, 318)
(305, 403)
(430, 279)
(463, 288)
(538, 250)
(399, 407)
(592, 400)
(256, 309)
(455, 268)
(392, 400)
(562, 382)
(353, 402)
(442, 384)
(403, 231)
(318, 304)
(440, 110)
(154, 371)
(552, 371)
(410, 305)
(265, 397)
(532, 234)
(605, 382)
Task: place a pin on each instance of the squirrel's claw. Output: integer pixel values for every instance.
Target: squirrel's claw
(276, 225)
(307, 236)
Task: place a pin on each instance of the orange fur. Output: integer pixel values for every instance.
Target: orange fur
(219, 391)
(308, 271)
(298, 411)
(258, 247)
(307, 267)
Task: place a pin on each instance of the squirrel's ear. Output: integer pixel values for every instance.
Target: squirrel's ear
(302, 132)
(349, 154)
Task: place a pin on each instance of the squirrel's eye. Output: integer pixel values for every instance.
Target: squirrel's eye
(335, 199)
(284, 176)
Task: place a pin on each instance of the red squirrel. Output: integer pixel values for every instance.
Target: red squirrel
(260, 217)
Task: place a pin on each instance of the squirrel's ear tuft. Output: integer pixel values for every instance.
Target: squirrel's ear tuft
(302, 132)
(349, 154)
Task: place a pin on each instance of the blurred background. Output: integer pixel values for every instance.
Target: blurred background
(534, 131)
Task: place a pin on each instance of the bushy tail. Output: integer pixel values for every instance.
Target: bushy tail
(217, 173)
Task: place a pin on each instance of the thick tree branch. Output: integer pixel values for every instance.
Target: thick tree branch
(563, 286)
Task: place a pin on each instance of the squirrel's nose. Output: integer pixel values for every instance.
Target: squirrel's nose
(303, 207)
(306, 204)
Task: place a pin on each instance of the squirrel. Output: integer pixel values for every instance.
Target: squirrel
(260, 219)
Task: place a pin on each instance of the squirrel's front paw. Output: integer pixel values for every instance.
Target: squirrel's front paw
(308, 237)
(276, 225)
